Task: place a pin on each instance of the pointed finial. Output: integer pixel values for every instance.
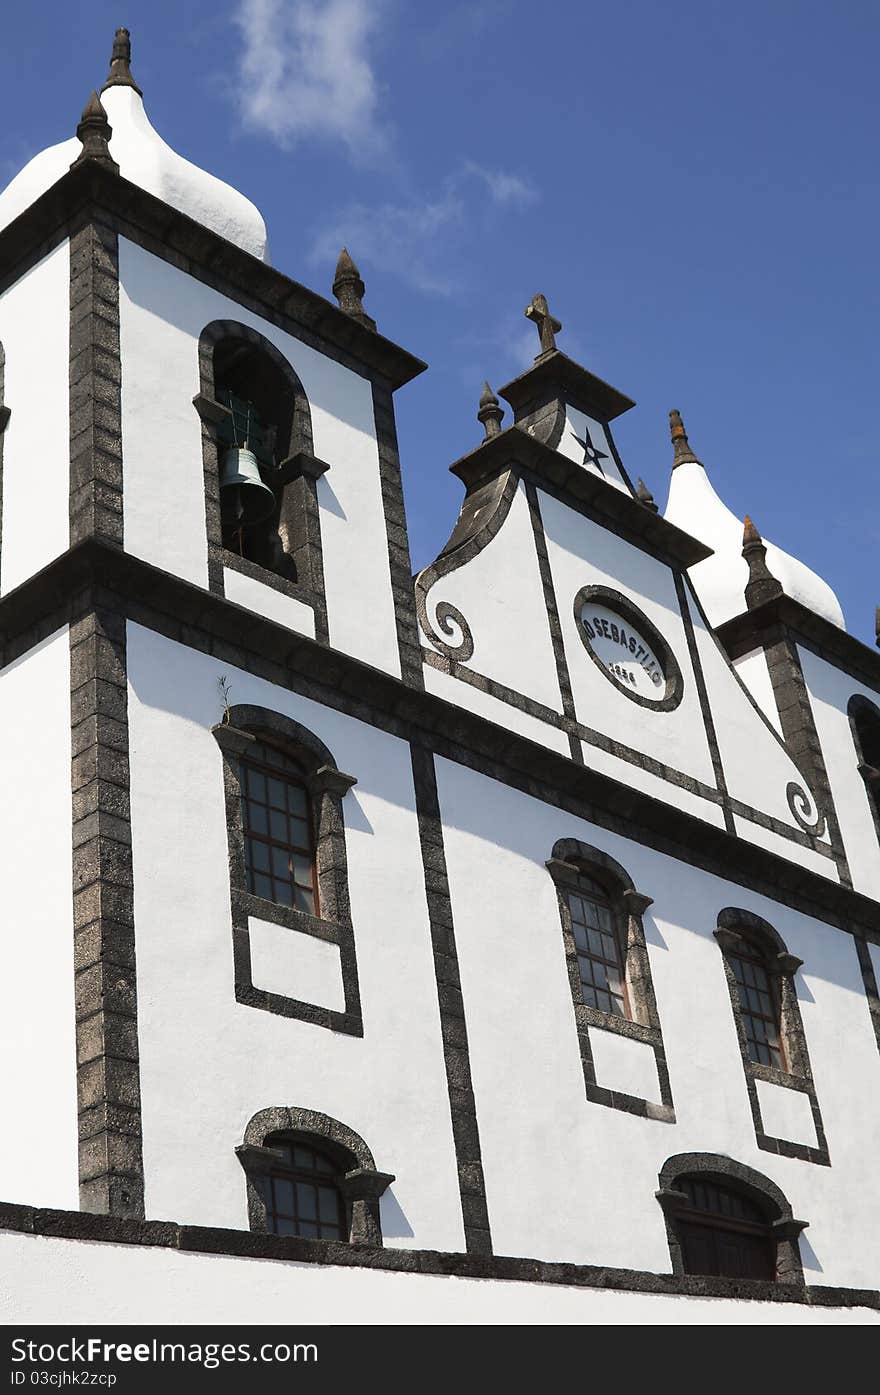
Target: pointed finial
(348, 289)
(762, 584)
(490, 412)
(683, 452)
(548, 326)
(120, 63)
(645, 496)
(94, 130)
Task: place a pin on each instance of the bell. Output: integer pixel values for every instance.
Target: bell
(244, 498)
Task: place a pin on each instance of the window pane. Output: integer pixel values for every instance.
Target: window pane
(304, 900)
(283, 1196)
(303, 1158)
(278, 825)
(309, 1230)
(328, 1204)
(307, 1201)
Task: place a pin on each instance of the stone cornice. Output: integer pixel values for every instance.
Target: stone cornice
(166, 603)
(90, 191)
(753, 628)
(514, 449)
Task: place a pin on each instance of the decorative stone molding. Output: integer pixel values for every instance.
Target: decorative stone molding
(358, 1180)
(718, 1167)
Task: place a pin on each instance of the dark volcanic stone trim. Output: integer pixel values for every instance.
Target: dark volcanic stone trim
(189, 615)
(361, 1184)
(569, 857)
(108, 1077)
(552, 609)
(482, 515)
(705, 707)
(113, 1230)
(95, 391)
(735, 926)
(858, 710)
(465, 1130)
(800, 735)
(334, 923)
(399, 561)
(717, 1167)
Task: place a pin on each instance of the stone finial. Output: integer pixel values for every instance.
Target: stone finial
(94, 130)
(348, 289)
(548, 326)
(762, 584)
(120, 63)
(490, 412)
(683, 452)
(645, 496)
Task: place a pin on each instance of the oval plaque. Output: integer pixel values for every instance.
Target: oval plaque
(624, 644)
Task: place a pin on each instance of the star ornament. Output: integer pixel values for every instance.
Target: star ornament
(591, 455)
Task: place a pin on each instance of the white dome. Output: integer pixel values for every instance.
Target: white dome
(720, 580)
(145, 159)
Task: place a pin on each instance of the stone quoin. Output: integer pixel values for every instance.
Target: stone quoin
(512, 929)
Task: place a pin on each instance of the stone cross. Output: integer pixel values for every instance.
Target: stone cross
(548, 326)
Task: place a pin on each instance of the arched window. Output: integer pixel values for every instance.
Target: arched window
(760, 975)
(288, 865)
(609, 970)
(251, 397)
(310, 1176)
(864, 721)
(725, 1220)
(279, 840)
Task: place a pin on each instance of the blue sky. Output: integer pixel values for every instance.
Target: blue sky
(693, 186)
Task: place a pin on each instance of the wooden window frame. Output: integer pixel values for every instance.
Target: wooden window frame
(298, 780)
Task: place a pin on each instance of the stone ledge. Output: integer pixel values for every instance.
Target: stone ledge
(92, 1228)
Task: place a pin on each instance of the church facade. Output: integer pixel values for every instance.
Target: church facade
(494, 945)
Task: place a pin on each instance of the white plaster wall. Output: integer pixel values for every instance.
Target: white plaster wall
(80, 1282)
(570, 1180)
(208, 1063)
(503, 714)
(501, 596)
(265, 600)
(634, 776)
(38, 1162)
(582, 553)
(786, 1113)
(35, 333)
(752, 669)
(576, 422)
(830, 690)
(162, 313)
(623, 1064)
(297, 965)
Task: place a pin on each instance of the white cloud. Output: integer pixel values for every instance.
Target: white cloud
(418, 239)
(305, 71)
(505, 188)
(400, 238)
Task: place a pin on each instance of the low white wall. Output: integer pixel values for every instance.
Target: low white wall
(77, 1281)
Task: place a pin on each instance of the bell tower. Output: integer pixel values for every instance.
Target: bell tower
(181, 426)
